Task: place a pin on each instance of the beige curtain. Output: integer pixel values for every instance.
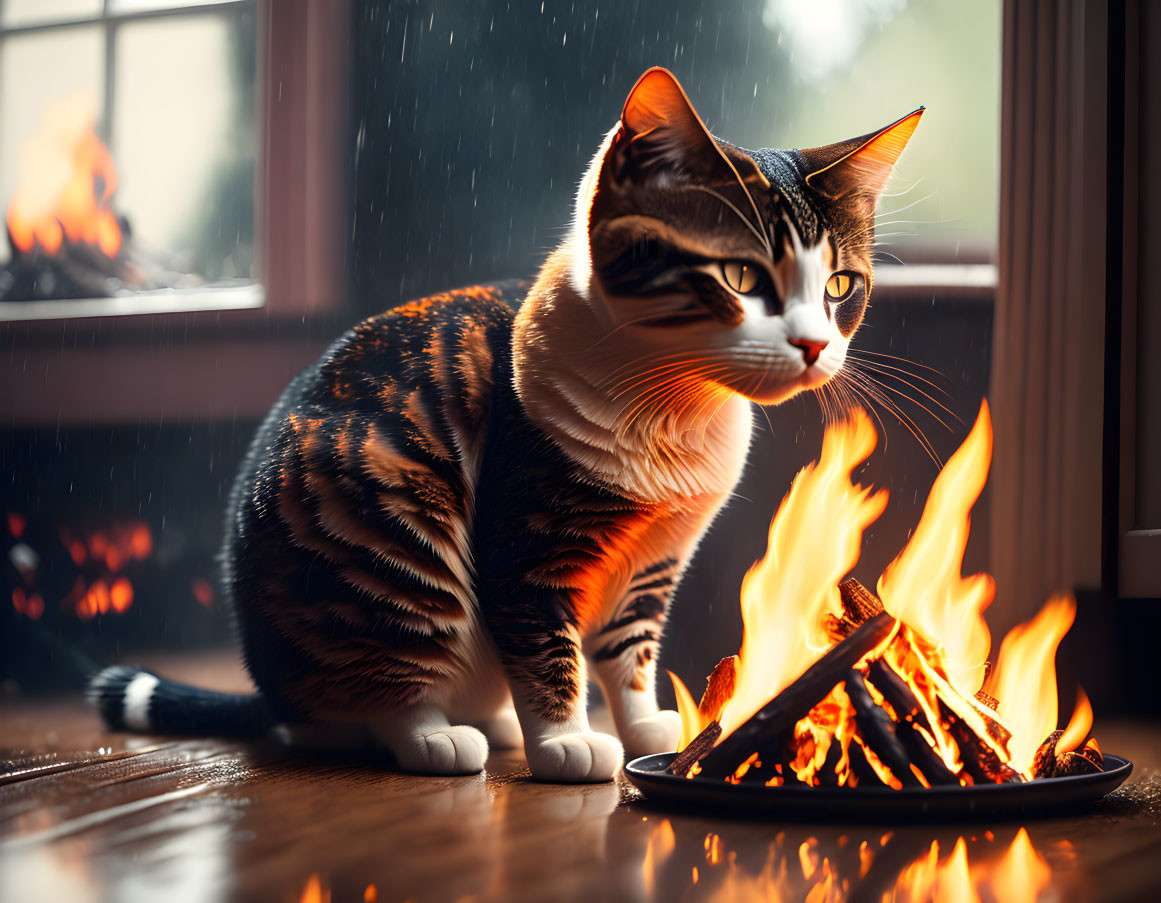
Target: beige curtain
(1048, 349)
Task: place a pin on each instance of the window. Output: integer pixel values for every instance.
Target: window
(854, 67)
(130, 126)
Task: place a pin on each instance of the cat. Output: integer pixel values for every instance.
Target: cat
(474, 501)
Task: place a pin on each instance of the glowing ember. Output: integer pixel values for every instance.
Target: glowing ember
(907, 704)
(66, 184)
(103, 555)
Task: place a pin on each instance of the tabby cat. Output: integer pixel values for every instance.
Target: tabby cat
(471, 496)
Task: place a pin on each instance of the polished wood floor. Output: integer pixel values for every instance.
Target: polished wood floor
(90, 816)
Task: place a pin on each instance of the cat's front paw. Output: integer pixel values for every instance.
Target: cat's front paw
(458, 749)
(656, 733)
(585, 757)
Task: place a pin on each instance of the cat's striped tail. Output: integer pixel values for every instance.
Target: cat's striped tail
(133, 699)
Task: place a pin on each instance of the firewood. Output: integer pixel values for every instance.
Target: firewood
(837, 629)
(979, 760)
(719, 688)
(779, 715)
(698, 747)
(1044, 762)
(859, 603)
(988, 700)
(910, 717)
(1087, 760)
(878, 730)
(895, 690)
(1070, 764)
(862, 769)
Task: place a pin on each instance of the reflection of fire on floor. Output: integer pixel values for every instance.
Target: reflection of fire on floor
(88, 815)
(67, 241)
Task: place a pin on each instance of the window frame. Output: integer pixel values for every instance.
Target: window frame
(299, 245)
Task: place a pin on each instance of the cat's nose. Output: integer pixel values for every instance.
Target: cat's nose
(811, 348)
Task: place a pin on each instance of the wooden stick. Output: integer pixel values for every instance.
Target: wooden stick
(859, 603)
(862, 769)
(1044, 763)
(907, 709)
(895, 690)
(979, 760)
(719, 688)
(780, 714)
(878, 730)
(698, 747)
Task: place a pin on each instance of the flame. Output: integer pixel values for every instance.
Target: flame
(1078, 725)
(923, 586)
(939, 650)
(785, 594)
(1024, 680)
(66, 183)
(692, 720)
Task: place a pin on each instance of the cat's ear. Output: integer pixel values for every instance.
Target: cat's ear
(661, 134)
(860, 165)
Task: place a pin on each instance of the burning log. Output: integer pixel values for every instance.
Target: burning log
(878, 730)
(719, 688)
(1044, 765)
(861, 768)
(778, 717)
(910, 717)
(979, 760)
(1088, 761)
(859, 605)
(1051, 764)
(698, 747)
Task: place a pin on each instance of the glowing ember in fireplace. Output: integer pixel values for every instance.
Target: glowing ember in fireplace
(837, 686)
(66, 184)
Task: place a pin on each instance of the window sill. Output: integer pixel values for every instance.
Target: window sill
(920, 281)
(162, 301)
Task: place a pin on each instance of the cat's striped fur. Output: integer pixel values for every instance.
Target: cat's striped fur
(471, 495)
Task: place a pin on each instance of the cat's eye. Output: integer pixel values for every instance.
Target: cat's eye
(743, 278)
(841, 286)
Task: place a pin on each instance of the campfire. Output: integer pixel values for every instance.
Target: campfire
(67, 241)
(839, 686)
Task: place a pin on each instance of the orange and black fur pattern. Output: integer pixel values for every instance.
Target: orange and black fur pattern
(474, 502)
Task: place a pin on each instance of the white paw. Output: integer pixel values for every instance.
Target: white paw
(657, 733)
(458, 749)
(503, 730)
(582, 758)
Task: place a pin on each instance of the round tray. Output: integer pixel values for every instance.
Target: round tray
(1046, 796)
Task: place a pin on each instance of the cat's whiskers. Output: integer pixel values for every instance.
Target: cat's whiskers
(880, 367)
(872, 390)
(869, 369)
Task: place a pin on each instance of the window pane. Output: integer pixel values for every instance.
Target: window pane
(857, 66)
(38, 71)
(134, 6)
(30, 12)
(185, 137)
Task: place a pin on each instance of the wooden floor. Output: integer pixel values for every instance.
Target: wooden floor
(89, 816)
